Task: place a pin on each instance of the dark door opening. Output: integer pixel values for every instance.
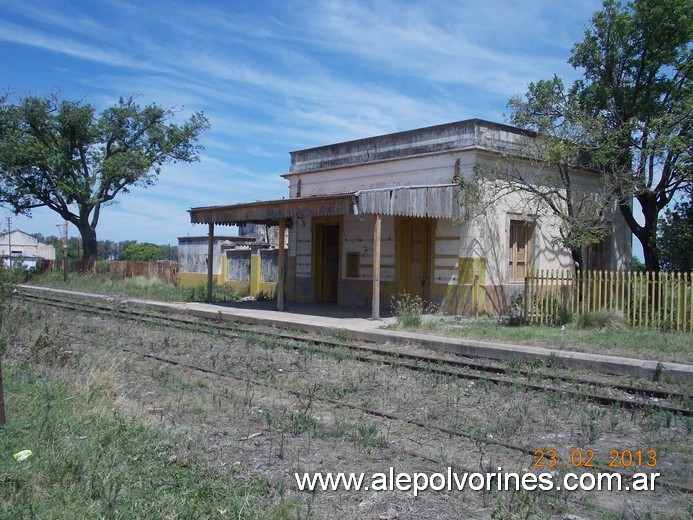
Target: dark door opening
(327, 263)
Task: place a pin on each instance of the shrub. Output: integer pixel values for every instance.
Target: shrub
(408, 309)
(555, 309)
(221, 293)
(516, 309)
(603, 320)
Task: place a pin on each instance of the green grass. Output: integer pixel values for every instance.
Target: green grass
(138, 287)
(631, 342)
(603, 320)
(601, 334)
(94, 459)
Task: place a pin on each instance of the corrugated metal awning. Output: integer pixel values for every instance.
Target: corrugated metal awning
(438, 201)
(434, 201)
(269, 212)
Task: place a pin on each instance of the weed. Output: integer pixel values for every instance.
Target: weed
(603, 320)
(308, 395)
(615, 414)
(335, 391)
(589, 424)
(518, 505)
(516, 309)
(94, 460)
(369, 438)
(263, 296)
(408, 309)
(297, 423)
(137, 287)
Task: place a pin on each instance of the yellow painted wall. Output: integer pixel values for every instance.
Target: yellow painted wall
(195, 279)
(469, 295)
(255, 287)
(255, 275)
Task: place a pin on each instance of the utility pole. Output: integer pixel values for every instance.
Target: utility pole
(9, 239)
(63, 236)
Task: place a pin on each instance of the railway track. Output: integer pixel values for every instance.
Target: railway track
(599, 391)
(636, 398)
(451, 432)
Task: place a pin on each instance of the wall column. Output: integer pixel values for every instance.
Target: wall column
(210, 262)
(280, 265)
(377, 228)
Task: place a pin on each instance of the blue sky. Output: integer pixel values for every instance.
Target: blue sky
(273, 77)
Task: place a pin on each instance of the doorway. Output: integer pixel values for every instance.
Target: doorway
(326, 266)
(415, 256)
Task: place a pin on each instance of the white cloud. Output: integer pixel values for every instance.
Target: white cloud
(275, 77)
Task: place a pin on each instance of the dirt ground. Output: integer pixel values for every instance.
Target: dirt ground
(285, 409)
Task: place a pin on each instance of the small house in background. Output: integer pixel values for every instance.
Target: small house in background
(247, 262)
(18, 244)
(371, 219)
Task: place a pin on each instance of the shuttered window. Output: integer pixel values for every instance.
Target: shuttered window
(519, 250)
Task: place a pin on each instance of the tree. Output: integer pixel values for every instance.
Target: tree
(545, 176)
(637, 60)
(631, 111)
(636, 265)
(676, 238)
(543, 172)
(144, 252)
(60, 155)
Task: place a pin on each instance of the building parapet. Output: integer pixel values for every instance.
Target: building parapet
(457, 136)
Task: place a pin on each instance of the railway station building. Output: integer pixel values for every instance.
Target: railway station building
(371, 219)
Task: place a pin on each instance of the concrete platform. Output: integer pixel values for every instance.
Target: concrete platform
(355, 323)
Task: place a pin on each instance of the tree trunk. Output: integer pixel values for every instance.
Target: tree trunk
(649, 251)
(578, 260)
(647, 232)
(89, 246)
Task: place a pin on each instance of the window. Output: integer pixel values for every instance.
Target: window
(353, 261)
(597, 255)
(519, 251)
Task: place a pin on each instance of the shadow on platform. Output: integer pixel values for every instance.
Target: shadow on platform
(327, 310)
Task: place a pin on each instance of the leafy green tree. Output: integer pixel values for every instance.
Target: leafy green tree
(676, 238)
(144, 252)
(632, 109)
(547, 174)
(106, 250)
(637, 61)
(550, 172)
(61, 155)
(171, 253)
(636, 265)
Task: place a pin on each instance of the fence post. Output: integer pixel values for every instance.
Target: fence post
(528, 279)
(540, 295)
(681, 298)
(689, 285)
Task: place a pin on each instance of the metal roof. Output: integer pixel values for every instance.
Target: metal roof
(437, 201)
(434, 201)
(270, 211)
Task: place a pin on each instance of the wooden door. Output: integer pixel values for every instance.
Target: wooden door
(415, 256)
(330, 263)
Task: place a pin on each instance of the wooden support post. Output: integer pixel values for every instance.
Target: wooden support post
(280, 265)
(210, 263)
(377, 228)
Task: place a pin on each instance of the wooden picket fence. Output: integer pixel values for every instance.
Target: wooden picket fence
(659, 300)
